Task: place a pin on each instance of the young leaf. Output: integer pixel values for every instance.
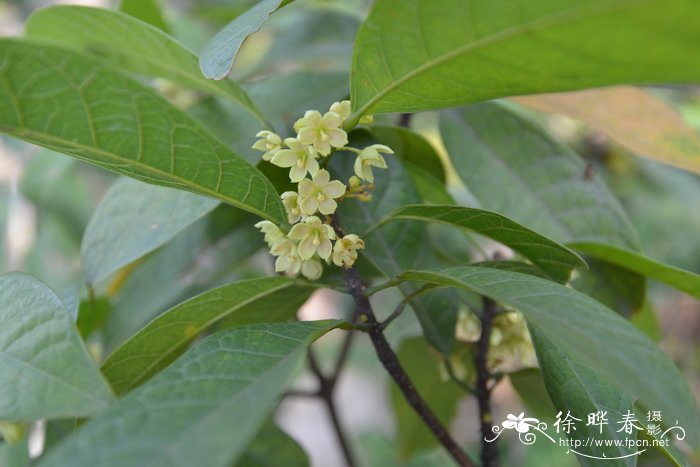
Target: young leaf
(204, 409)
(683, 280)
(514, 168)
(48, 371)
(134, 219)
(632, 117)
(417, 55)
(587, 332)
(218, 54)
(557, 260)
(162, 340)
(70, 103)
(130, 44)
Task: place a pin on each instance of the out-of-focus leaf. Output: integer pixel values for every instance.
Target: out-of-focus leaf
(162, 340)
(148, 11)
(686, 281)
(183, 417)
(632, 117)
(92, 315)
(588, 333)
(529, 385)
(72, 104)
(15, 454)
(423, 367)
(557, 260)
(4, 205)
(131, 44)
(417, 55)
(273, 447)
(612, 285)
(48, 370)
(134, 219)
(216, 59)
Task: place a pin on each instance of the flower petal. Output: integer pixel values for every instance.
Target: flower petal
(327, 206)
(307, 248)
(285, 158)
(322, 177)
(332, 120)
(307, 135)
(367, 173)
(334, 189)
(324, 249)
(338, 138)
(308, 205)
(297, 173)
(299, 231)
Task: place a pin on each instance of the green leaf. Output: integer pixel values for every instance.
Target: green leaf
(417, 55)
(514, 168)
(529, 385)
(552, 257)
(582, 390)
(70, 103)
(273, 447)
(49, 371)
(587, 332)
(167, 336)
(420, 161)
(202, 410)
(147, 11)
(687, 281)
(422, 365)
(130, 44)
(397, 246)
(632, 117)
(216, 59)
(134, 219)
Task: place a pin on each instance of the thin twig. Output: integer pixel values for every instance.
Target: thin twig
(489, 450)
(388, 358)
(451, 371)
(402, 304)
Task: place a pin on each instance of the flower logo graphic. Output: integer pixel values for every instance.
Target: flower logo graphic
(519, 423)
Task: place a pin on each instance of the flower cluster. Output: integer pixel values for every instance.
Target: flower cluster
(311, 238)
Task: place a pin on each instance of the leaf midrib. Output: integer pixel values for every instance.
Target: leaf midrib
(541, 23)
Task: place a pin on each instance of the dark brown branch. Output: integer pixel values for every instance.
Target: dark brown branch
(489, 450)
(405, 120)
(390, 361)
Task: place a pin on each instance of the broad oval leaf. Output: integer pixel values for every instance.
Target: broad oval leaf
(273, 447)
(216, 59)
(146, 10)
(202, 410)
(587, 332)
(162, 340)
(683, 280)
(70, 103)
(632, 117)
(514, 168)
(48, 373)
(134, 219)
(130, 44)
(557, 260)
(425, 54)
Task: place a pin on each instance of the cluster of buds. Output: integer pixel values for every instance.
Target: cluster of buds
(311, 238)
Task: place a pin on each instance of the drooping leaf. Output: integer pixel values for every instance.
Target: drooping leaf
(72, 104)
(202, 410)
(134, 219)
(148, 11)
(582, 390)
(273, 447)
(552, 257)
(399, 245)
(162, 340)
(514, 168)
(686, 281)
(131, 44)
(48, 371)
(419, 54)
(612, 285)
(587, 332)
(529, 385)
(632, 117)
(216, 59)
(422, 365)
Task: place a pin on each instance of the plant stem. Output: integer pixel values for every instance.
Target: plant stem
(489, 451)
(390, 361)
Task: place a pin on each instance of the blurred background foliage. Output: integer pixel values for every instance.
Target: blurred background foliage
(300, 60)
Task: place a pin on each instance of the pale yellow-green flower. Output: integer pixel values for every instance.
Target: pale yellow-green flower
(314, 237)
(290, 200)
(345, 250)
(320, 194)
(273, 234)
(301, 158)
(312, 269)
(288, 259)
(370, 157)
(269, 144)
(342, 108)
(321, 132)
